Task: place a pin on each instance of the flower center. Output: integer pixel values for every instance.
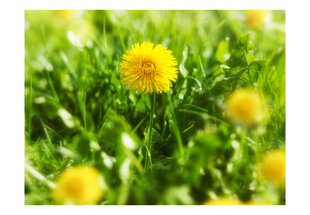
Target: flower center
(148, 68)
(74, 188)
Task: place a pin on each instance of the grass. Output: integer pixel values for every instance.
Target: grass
(77, 110)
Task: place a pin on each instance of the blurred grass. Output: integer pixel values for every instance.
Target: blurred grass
(76, 109)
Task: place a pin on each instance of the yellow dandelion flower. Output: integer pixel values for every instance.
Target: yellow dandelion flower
(65, 14)
(144, 67)
(255, 18)
(223, 201)
(273, 166)
(245, 106)
(78, 185)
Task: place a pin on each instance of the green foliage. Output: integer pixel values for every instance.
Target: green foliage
(78, 112)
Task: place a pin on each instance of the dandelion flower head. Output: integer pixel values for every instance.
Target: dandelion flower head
(66, 14)
(245, 106)
(273, 166)
(78, 185)
(255, 18)
(144, 68)
(223, 201)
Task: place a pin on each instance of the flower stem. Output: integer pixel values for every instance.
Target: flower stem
(148, 157)
(151, 125)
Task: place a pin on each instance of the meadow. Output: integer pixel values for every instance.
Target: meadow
(214, 133)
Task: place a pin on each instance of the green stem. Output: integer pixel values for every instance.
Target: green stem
(149, 145)
(152, 120)
(148, 157)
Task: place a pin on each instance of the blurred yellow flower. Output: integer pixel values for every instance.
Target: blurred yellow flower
(78, 185)
(255, 18)
(65, 14)
(245, 106)
(144, 67)
(223, 201)
(273, 166)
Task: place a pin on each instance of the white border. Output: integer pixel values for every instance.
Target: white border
(12, 106)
